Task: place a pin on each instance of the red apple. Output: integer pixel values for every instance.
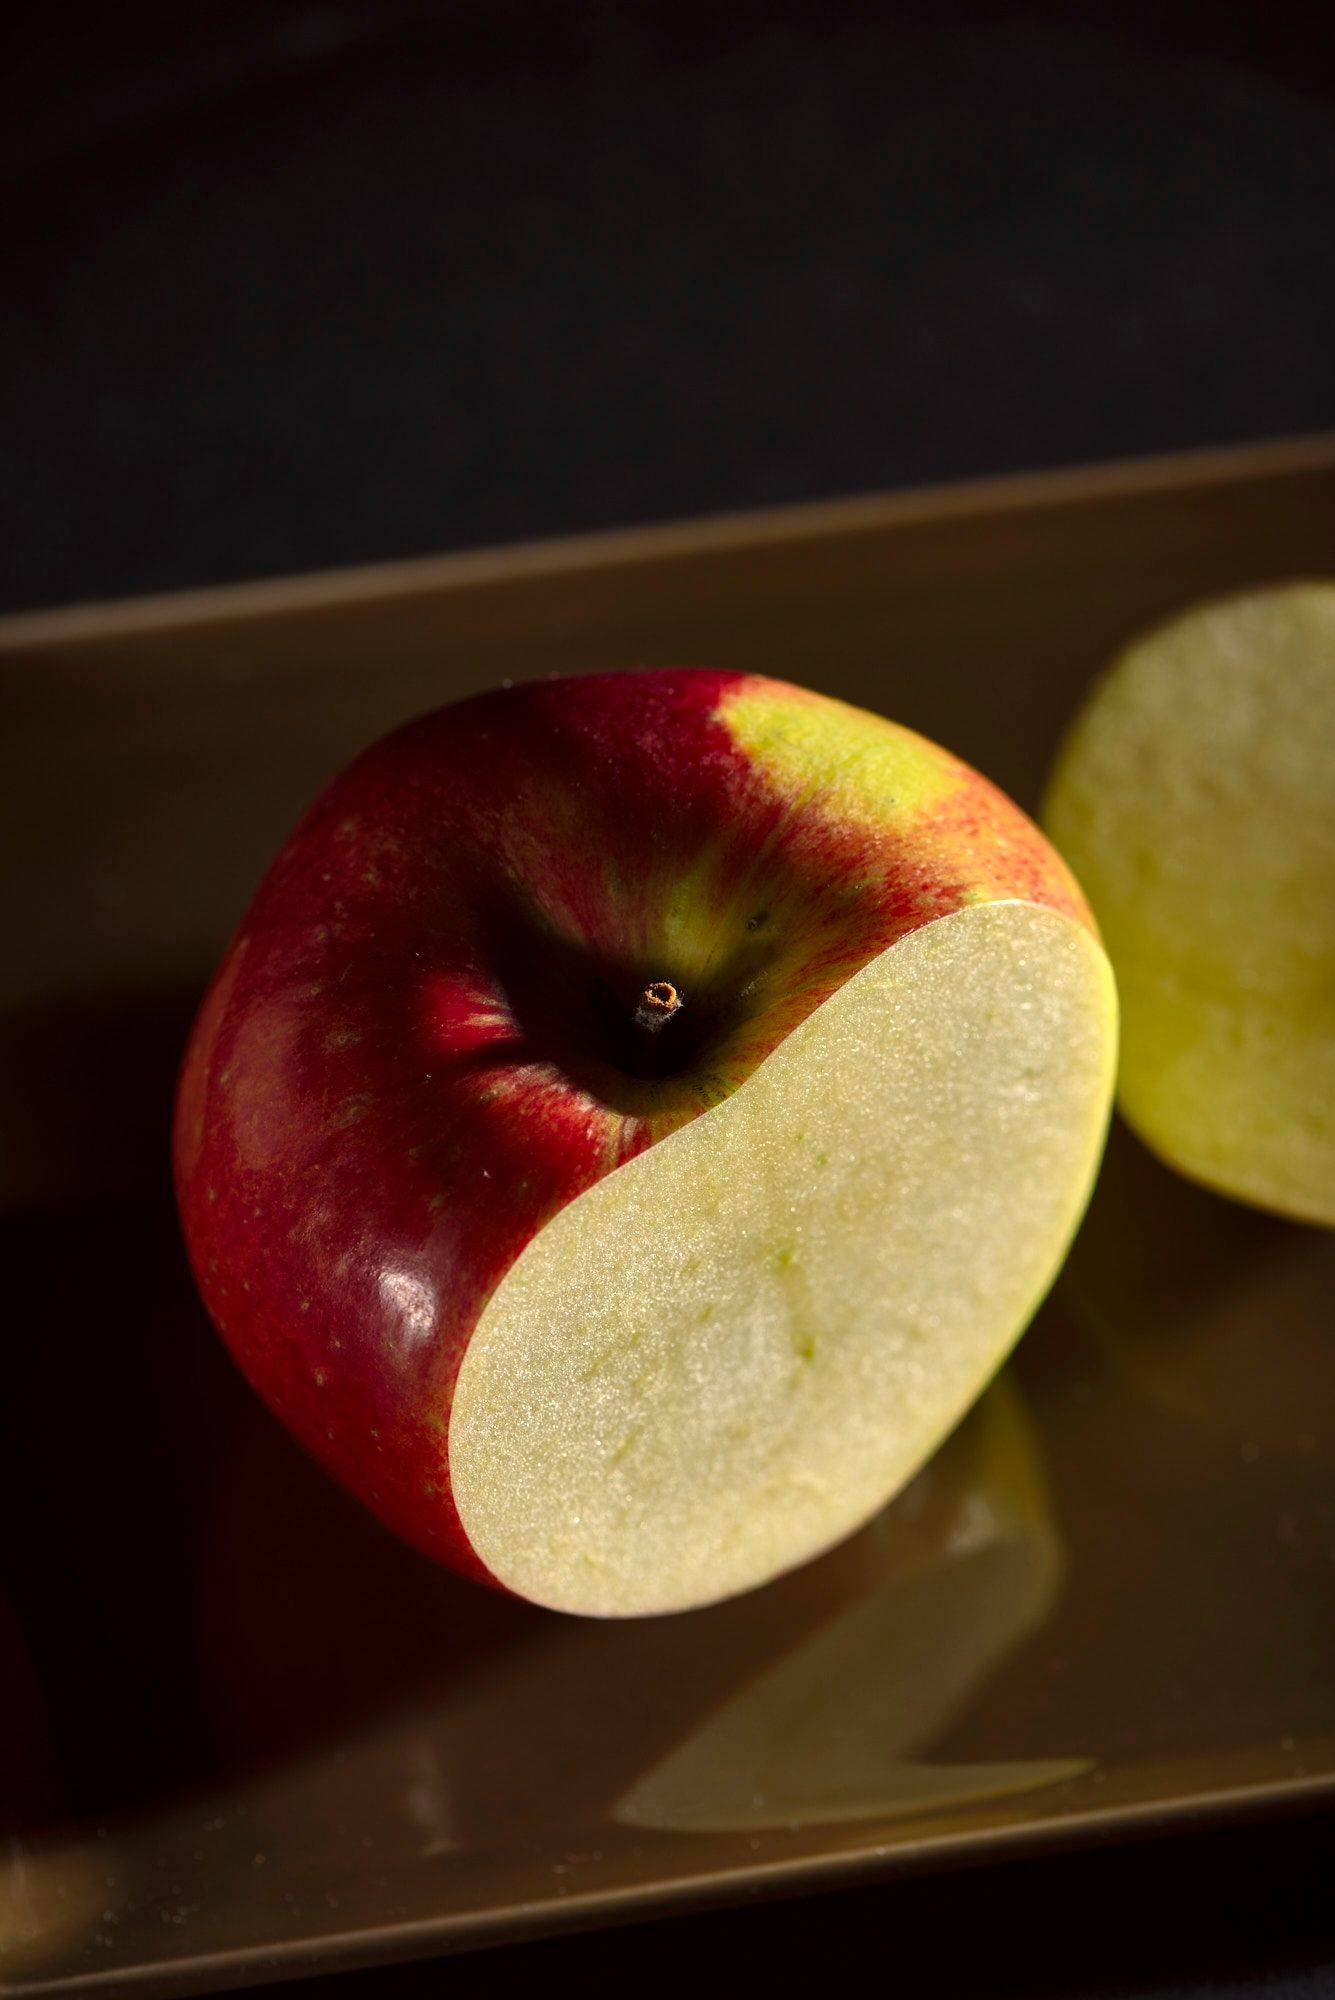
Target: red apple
(633, 1121)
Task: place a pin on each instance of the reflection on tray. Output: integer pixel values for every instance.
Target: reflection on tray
(968, 1565)
(1217, 1314)
(803, 1703)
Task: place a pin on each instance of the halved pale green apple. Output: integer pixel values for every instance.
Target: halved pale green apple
(1195, 799)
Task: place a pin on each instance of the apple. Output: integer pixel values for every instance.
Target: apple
(1195, 798)
(635, 1118)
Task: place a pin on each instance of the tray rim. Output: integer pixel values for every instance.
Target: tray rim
(451, 1935)
(690, 537)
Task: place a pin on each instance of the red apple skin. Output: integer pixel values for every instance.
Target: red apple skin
(366, 1136)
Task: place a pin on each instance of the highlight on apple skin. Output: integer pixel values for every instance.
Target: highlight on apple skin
(1195, 797)
(634, 1120)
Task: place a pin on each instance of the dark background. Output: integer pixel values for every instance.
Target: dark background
(287, 286)
(292, 285)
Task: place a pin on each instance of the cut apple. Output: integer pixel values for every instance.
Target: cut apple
(633, 1121)
(723, 1357)
(1195, 798)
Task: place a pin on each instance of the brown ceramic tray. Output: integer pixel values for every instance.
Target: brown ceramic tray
(242, 1732)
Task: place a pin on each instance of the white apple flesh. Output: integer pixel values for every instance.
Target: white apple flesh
(720, 1359)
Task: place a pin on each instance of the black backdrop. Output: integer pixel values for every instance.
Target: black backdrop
(291, 285)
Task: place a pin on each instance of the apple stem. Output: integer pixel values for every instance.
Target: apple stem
(659, 1001)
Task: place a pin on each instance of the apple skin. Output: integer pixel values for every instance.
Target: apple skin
(414, 1051)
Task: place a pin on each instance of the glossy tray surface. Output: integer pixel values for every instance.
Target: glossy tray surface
(244, 1731)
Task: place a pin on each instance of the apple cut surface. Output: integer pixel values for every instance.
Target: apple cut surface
(726, 1355)
(1195, 798)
